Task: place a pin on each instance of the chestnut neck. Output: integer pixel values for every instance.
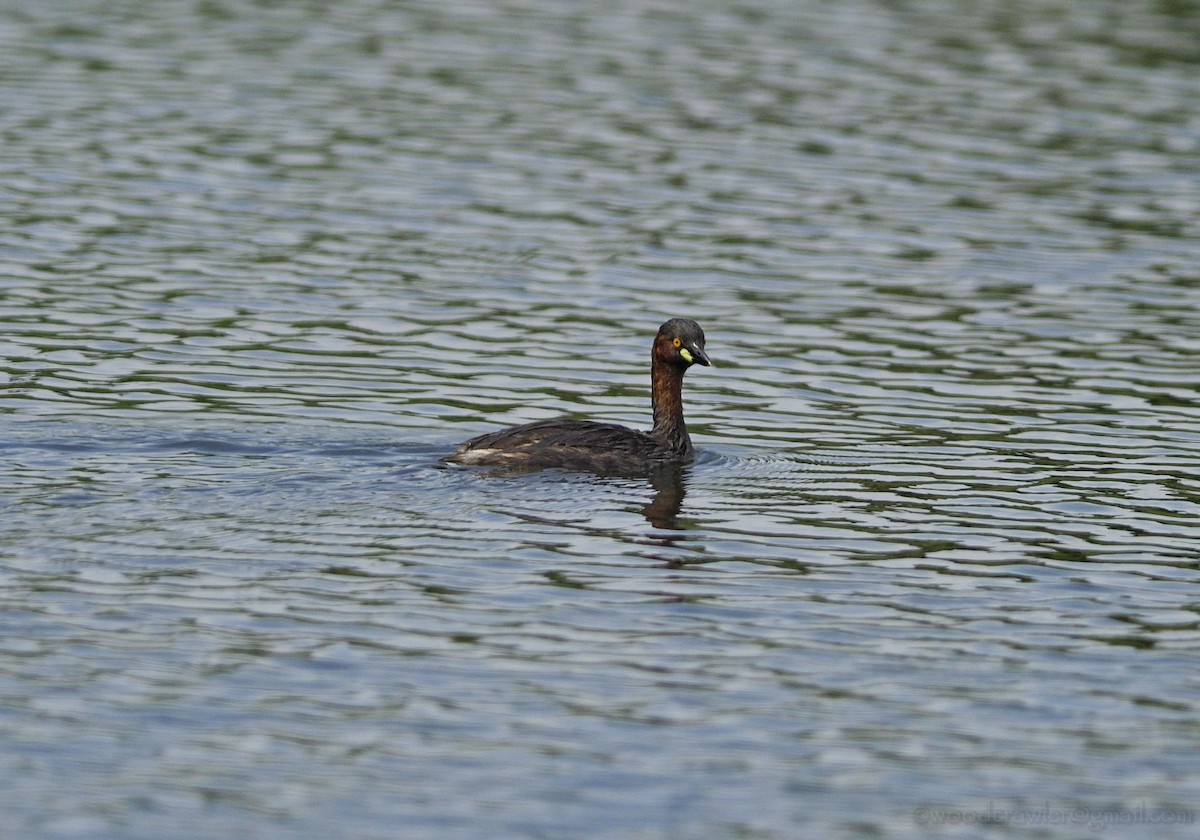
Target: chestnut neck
(666, 398)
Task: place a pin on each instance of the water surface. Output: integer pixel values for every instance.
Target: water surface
(264, 264)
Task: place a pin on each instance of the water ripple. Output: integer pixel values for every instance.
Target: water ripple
(265, 265)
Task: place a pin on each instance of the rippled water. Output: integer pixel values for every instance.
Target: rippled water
(263, 264)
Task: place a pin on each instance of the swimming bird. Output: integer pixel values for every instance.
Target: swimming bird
(606, 448)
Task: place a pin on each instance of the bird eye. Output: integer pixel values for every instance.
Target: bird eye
(677, 342)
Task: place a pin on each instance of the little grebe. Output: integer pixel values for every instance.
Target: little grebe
(606, 447)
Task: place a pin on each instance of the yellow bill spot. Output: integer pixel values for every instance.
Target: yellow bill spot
(687, 356)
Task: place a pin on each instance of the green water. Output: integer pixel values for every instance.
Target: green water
(263, 264)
